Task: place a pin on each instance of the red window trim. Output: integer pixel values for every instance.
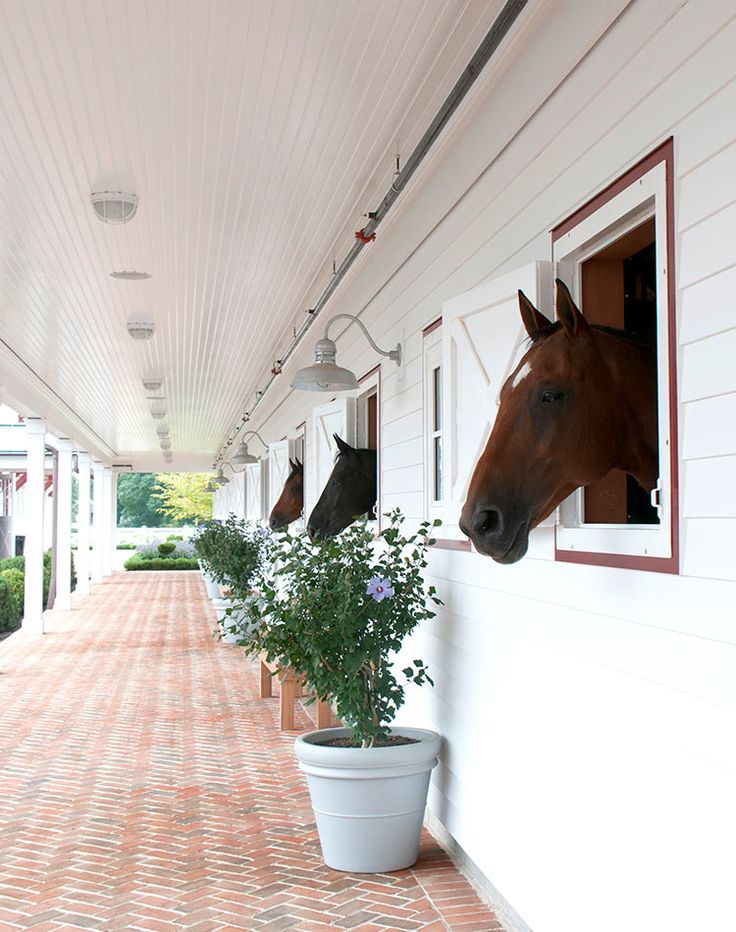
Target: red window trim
(430, 328)
(363, 378)
(663, 153)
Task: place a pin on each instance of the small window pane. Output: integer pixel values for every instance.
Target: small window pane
(437, 375)
(437, 465)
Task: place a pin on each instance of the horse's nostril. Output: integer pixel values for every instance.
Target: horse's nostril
(489, 522)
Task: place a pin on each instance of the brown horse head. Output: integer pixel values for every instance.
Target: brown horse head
(291, 501)
(582, 401)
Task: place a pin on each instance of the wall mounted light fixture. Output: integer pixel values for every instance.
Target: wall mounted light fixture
(242, 457)
(325, 375)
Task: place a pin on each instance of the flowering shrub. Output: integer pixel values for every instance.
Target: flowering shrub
(337, 609)
(185, 548)
(148, 550)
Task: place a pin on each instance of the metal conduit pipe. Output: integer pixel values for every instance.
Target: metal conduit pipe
(485, 51)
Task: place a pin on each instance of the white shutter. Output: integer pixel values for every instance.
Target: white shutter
(335, 417)
(482, 337)
(237, 482)
(279, 455)
(254, 492)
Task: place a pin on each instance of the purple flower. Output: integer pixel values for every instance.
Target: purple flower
(262, 531)
(379, 589)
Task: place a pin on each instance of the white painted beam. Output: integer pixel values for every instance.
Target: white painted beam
(33, 550)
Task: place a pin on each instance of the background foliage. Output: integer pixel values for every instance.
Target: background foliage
(147, 499)
(181, 497)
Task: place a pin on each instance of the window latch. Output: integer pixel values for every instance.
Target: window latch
(655, 499)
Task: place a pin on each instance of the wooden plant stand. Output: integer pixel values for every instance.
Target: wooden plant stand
(292, 688)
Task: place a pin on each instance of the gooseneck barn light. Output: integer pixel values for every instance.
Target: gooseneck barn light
(221, 478)
(242, 457)
(325, 375)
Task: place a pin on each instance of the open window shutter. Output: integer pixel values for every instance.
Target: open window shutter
(335, 417)
(237, 483)
(278, 469)
(482, 338)
(253, 507)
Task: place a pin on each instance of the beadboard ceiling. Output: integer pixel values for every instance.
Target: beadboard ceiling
(255, 134)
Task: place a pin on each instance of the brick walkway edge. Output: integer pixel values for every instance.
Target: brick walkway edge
(145, 786)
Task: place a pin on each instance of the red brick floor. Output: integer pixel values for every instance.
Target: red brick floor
(143, 785)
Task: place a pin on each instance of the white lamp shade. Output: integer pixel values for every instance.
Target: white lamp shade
(242, 457)
(324, 377)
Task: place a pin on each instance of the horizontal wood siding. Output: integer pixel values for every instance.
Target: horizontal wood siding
(588, 713)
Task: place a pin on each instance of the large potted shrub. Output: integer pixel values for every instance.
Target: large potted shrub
(232, 552)
(336, 611)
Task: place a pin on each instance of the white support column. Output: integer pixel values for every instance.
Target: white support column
(106, 522)
(63, 542)
(98, 519)
(84, 461)
(113, 541)
(33, 551)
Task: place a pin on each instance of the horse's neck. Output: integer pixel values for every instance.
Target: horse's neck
(369, 468)
(633, 371)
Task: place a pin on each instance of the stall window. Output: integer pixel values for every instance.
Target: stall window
(367, 406)
(433, 422)
(616, 256)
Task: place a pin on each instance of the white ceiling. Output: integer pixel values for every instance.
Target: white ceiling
(256, 134)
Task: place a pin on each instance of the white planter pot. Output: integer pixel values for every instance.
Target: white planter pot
(368, 802)
(213, 590)
(225, 621)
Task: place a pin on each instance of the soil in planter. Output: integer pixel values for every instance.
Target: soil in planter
(390, 741)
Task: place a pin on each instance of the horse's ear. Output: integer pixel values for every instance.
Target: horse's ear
(300, 465)
(568, 313)
(343, 447)
(535, 323)
(293, 465)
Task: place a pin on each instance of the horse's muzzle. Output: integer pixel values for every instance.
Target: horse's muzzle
(495, 535)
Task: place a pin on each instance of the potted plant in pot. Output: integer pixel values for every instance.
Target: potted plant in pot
(205, 541)
(336, 610)
(232, 552)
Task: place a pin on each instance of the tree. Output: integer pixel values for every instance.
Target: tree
(136, 505)
(182, 497)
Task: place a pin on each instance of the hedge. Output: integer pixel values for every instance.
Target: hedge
(9, 609)
(16, 580)
(163, 563)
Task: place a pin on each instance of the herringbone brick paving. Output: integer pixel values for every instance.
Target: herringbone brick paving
(143, 785)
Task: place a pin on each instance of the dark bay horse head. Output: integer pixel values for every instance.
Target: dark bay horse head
(350, 491)
(582, 401)
(291, 501)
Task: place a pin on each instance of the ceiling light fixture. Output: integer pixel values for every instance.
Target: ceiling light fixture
(165, 444)
(325, 375)
(162, 430)
(132, 276)
(158, 414)
(242, 457)
(210, 487)
(221, 478)
(114, 206)
(152, 384)
(140, 330)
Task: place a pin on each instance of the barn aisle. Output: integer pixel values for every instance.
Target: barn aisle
(143, 785)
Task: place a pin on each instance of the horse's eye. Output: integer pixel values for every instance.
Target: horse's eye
(551, 397)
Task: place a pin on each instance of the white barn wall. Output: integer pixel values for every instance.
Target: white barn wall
(588, 713)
